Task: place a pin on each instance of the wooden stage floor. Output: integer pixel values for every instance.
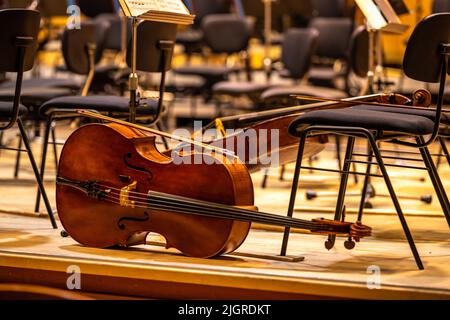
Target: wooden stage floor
(31, 252)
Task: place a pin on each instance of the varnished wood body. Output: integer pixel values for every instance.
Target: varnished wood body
(287, 145)
(107, 153)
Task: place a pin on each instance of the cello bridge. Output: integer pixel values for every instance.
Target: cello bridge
(125, 196)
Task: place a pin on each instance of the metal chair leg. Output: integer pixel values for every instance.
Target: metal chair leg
(165, 142)
(365, 186)
(36, 173)
(282, 172)
(436, 180)
(18, 156)
(265, 179)
(342, 189)
(395, 201)
(295, 182)
(338, 151)
(43, 159)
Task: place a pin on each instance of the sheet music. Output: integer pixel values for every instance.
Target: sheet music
(140, 7)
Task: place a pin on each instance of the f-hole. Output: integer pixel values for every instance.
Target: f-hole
(126, 160)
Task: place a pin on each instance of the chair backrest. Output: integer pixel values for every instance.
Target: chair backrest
(113, 38)
(150, 36)
(52, 8)
(334, 36)
(18, 3)
(226, 33)
(423, 59)
(75, 43)
(17, 23)
(440, 6)
(298, 48)
(359, 52)
(203, 8)
(18, 46)
(92, 8)
(328, 8)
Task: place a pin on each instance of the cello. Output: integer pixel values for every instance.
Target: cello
(114, 187)
(279, 119)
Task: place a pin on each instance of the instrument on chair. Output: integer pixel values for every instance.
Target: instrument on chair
(114, 187)
(280, 119)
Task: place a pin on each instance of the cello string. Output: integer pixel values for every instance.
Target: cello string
(226, 216)
(248, 216)
(244, 213)
(227, 209)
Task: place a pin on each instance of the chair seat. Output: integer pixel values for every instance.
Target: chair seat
(46, 83)
(34, 96)
(189, 37)
(205, 71)
(239, 88)
(430, 114)
(324, 76)
(367, 119)
(99, 103)
(6, 109)
(281, 93)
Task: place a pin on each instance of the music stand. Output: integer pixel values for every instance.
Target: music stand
(135, 11)
(380, 17)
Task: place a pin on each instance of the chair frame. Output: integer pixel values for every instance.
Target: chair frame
(373, 136)
(23, 43)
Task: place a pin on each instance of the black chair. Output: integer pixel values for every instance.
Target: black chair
(92, 9)
(440, 6)
(191, 38)
(36, 91)
(18, 45)
(154, 54)
(328, 8)
(298, 48)
(332, 47)
(225, 34)
(426, 60)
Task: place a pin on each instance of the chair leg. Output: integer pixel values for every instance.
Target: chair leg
(436, 180)
(55, 147)
(338, 151)
(294, 190)
(36, 173)
(265, 179)
(395, 201)
(18, 156)
(282, 172)
(43, 159)
(159, 125)
(329, 244)
(365, 187)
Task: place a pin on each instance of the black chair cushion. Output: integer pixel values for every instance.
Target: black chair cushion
(99, 103)
(205, 71)
(6, 109)
(367, 119)
(34, 96)
(430, 114)
(45, 83)
(239, 88)
(189, 37)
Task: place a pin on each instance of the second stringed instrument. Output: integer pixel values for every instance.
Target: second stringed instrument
(114, 187)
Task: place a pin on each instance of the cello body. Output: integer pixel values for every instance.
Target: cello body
(124, 158)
